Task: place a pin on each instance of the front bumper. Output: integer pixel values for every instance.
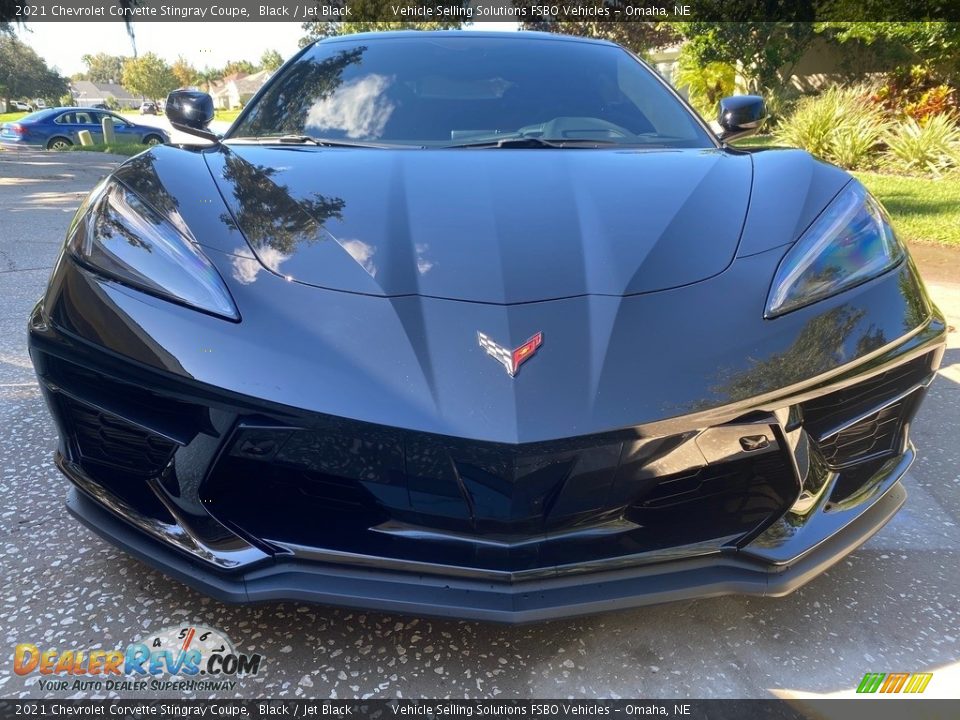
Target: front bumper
(251, 499)
(173, 522)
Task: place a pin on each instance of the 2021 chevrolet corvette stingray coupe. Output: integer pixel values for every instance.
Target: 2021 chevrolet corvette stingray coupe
(482, 325)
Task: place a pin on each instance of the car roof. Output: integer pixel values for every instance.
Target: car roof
(518, 35)
(74, 108)
(47, 113)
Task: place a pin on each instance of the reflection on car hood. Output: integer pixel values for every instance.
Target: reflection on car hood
(496, 226)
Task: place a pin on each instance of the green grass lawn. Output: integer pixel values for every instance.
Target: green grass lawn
(924, 210)
(227, 115)
(115, 149)
(754, 141)
(10, 117)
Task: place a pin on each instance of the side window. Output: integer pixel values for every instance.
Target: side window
(66, 119)
(85, 118)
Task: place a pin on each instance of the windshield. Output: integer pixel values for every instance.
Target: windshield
(455, 91)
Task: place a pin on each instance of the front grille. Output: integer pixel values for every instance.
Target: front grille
(422, 498)
(109, 440)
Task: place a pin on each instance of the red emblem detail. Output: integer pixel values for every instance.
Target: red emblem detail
(510, 359)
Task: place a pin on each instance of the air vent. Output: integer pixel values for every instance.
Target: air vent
(110, 440)
(876, 435)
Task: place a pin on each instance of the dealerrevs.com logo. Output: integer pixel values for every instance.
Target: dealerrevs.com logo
(181, 657)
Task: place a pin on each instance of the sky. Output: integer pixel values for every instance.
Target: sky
(202, 44)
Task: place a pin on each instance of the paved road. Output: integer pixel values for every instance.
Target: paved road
(891, 606)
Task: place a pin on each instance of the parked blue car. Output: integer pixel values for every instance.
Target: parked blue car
(59, 128)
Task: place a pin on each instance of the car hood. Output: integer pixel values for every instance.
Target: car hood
(497, 226)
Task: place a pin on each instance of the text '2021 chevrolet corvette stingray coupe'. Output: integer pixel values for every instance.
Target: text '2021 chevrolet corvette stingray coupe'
(482, 325)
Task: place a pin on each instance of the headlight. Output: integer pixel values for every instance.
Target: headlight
(122, 237)
(850, 243)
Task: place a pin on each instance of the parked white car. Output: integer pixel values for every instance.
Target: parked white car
(16, 105)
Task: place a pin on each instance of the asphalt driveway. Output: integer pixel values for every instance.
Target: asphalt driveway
(891, 606)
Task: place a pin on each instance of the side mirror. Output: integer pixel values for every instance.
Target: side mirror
(740, 115)
(191, 111)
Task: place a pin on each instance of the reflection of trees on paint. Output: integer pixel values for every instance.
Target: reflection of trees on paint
(140, 175)
(818, 348)
(917, 310)
(111, 224)
(267, 215)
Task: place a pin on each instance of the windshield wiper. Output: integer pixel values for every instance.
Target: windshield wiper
(311, 140)
(534, 142)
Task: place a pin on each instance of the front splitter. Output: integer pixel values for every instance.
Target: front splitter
(286, 579)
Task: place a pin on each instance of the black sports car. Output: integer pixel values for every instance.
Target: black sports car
(483, 325)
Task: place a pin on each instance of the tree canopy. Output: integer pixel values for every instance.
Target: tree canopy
(935, 45)
(149, 76)
(244, 67)
(371, 9)
(185, 73)
(640, 37)
(24, 74)
(763, 52)
(270, 60)
(103, 68)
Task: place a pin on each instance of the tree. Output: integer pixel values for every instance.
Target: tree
(935, 45)
(763, 52)
(148, 76)
(640, 37)
(103, 68)
(185, 73)
(244, 67)
(207, 76)
(270, 60)
(11, 14)
(705, 84)
(370, 14)
(24, 74)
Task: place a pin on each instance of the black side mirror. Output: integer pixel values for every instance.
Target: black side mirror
(740, 115)
(191, 111)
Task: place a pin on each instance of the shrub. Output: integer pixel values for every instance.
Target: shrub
(916, 92)
(780, 102)
(932, 146)
(705, 84)
(839, 126)
(937, 100)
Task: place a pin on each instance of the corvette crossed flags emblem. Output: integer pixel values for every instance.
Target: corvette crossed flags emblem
(510, 359)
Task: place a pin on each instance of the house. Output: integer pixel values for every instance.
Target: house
(88, 94)
(235, 90)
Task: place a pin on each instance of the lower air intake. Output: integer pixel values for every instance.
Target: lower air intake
(109, 440)
(875, 436)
